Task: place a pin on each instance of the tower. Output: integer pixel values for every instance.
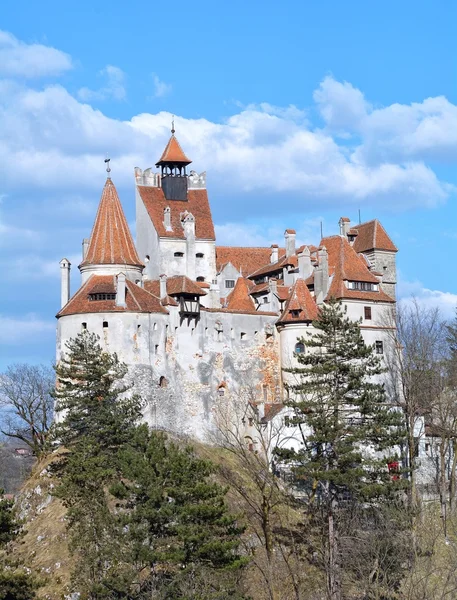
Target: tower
(173, 163)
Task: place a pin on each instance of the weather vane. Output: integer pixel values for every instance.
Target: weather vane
(108, 170)
(173, 125)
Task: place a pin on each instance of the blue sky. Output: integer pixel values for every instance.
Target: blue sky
(300, 112)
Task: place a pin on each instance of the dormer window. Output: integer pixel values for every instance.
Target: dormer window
(229, 283)
(179, 254)
(363, 286)
(102, 297)
(295, 313)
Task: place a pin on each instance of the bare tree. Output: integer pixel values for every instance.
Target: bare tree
(27, 405)
(249, 430)
(414, 362)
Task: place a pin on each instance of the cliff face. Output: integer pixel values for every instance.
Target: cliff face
(43, 547)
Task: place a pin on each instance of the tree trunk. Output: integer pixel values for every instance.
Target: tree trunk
(452, 476)
(442, 480)
(334, 567)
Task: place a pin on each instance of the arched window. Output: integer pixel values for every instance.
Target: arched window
(199, 255)
(163, 382)
(299, 348)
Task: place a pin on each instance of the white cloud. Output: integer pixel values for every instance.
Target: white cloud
(261, 150)
(113, 88)
(239, 234)
(161, 88)
(342, 106)
(19, 330)
(414, 291)
(18, 59)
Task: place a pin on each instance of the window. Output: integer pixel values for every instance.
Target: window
(243, 335)
(163, 382)
(379, 346)
(200, 278)
(229, 283)
(147, 258)
(299, 348)
(102, 297)
(83, 326)
(105, 324)
(367, 312)
(265, 299)
(199, 255)
(138, 328)
(363, 286)
(179, 254)
(156, 348)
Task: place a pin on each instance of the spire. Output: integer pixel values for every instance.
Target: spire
(239, 298)
(111, 241)
(173, 156)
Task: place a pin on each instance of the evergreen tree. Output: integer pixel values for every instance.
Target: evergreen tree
(98, 417)
(15, 583)
(350, 433)
(181, 535)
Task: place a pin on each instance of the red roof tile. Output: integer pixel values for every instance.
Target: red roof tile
(275, 267)
(197, 203)
(180, 284)
(136, 298)
(245, 260)
(173, 154)
(342, 255)
(373, 236)
(301, 301)
(239, 299)
(110, 240)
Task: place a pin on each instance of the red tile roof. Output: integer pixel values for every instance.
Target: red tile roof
(258, 288)
(342, 255)
(173, 154)
(136, 298)
(299, 300)
(239, 299)
(245, 260)
(373, 236)
(180, 284)
(111, 241)
(275, 267)
(197, 203)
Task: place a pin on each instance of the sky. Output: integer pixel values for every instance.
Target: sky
(299, 111)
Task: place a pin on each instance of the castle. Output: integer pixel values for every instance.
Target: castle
(196, 322)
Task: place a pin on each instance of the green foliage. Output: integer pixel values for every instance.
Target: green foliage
(350, 431)
(15, 584)
(177, 520)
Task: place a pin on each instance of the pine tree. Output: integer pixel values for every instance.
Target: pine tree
(15, 583)
(179, 529)
(98, 417)
(350, 433)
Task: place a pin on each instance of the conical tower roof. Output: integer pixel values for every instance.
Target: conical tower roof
(111, 241)
(173, 154)
(239, 298)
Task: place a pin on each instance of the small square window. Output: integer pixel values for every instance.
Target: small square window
(105, 324)
(367, 312)
(379, 346)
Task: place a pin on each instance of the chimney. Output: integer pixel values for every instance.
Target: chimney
(305, 268)
(65, 266)
(274, 256)
(121, 290)
(345, 226)
(289, 236)
(85, 247)
(167, 218)
(163, 286)
(321, 279)
(214, 295)
(274, 300)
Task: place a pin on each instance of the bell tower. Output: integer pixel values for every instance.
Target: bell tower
(173, 163)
